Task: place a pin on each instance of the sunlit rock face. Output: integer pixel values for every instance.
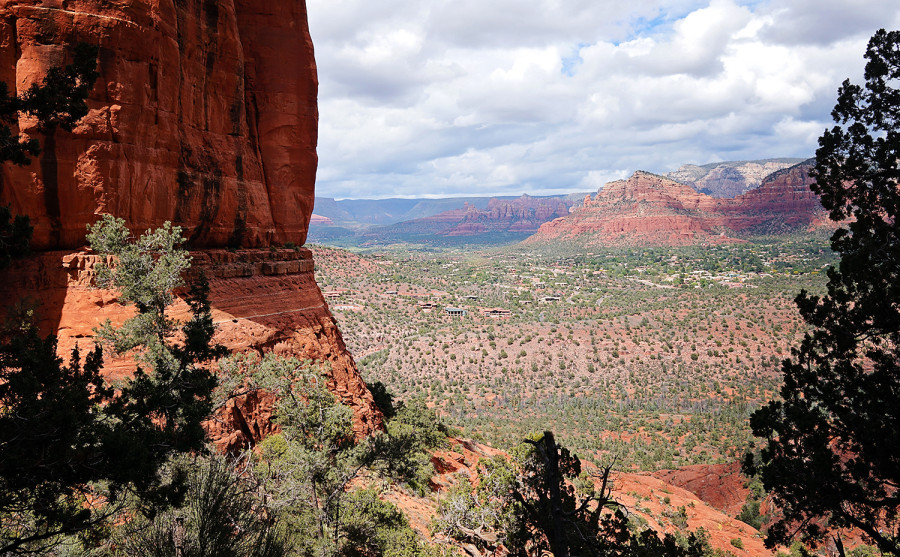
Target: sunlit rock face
(647, 209)
(204, 115)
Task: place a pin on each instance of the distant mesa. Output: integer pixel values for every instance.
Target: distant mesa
(523, 215)
(498, 218)
(712, 203)
(320, 220)
(729, 179)
(648, 209)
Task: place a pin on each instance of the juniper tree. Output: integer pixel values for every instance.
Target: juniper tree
(831, 458)
(71, 446)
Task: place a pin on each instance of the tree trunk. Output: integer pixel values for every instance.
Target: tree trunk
(556, 534)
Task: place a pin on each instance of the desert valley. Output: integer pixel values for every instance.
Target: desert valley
(204, 354)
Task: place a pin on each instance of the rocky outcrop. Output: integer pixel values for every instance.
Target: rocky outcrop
(262, 300)
(721, 486)
(644, 209)
(647, 209)
(658, 503)
(782, 203)
(204, 115)
(729, 179)
(523, 215)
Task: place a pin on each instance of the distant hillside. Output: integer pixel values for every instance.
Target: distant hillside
(729, 179)
(486, 220)
(647, 209)
(381, 212)
(506, 219)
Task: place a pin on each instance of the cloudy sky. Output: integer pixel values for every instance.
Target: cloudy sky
(439, 98)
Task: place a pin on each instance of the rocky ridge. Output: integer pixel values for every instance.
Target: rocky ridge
(647, 209)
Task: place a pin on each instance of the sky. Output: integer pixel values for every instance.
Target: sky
(445, 98)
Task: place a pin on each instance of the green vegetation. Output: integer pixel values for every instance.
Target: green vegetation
(305, 471)
(542, 501)
(625, 364)
(750, 512)
(69, 439)
(223, 516)
(830, 460)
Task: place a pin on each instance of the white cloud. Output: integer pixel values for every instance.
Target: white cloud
(468, 97)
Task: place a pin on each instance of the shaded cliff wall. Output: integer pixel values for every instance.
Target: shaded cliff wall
(204, 115)
(262, 300)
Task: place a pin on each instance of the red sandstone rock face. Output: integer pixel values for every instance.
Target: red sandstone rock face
(647, 209)
(721, 486)
(661, 499)
(261, 300)
(729, 179)
(204, 115)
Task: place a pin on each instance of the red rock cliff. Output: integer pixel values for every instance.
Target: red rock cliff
(262, 300)
(204, 115)
(647, 209)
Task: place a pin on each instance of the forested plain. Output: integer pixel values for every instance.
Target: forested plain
(654, 357)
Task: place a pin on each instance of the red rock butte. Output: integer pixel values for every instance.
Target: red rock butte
(647, 209)
(205, 114)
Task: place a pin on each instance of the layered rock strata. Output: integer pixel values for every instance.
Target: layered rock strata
(204, 115)
(647, 209)
(262, 300)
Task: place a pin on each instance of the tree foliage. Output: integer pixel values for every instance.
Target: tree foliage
(541, 502)
(53, 442)
(306, 470)
(15, 234)
(223, 516)
(831, 458)
(58, 101)
(72, 446)
(170, 393)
